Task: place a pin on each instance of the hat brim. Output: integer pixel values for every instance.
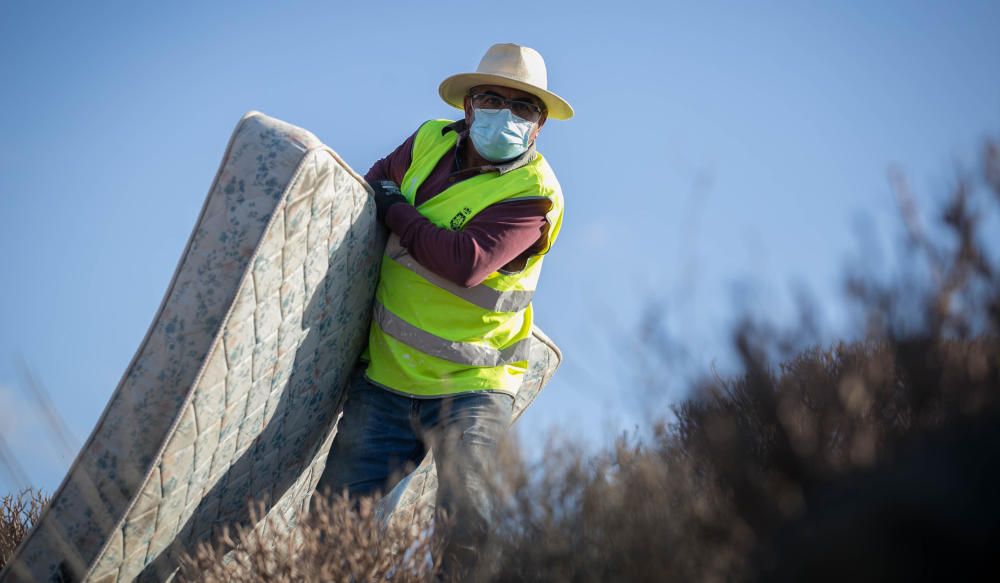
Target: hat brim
(454, 89)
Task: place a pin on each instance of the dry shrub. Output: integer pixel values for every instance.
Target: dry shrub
(635, 513)
(341, 540)
(18, 513)
(846, 443)
(871, 460)
(758, 464)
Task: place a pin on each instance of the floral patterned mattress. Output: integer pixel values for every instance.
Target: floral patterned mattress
(234, 393)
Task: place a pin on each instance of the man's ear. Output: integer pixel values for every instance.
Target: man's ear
(538, 126)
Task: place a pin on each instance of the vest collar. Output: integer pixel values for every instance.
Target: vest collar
(460, 128)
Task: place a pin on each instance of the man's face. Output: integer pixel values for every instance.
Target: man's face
(507, 93)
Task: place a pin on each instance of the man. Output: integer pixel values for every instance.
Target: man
(472, 208)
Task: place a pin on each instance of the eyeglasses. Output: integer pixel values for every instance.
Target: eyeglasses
(522, 109)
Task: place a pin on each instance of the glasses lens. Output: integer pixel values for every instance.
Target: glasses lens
(488, 101)
(525, 110)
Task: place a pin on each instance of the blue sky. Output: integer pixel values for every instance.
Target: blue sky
(714, 143)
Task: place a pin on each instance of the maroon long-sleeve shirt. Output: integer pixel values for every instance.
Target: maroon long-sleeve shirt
(501, 237)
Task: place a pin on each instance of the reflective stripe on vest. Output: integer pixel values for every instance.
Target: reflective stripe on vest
(460, 352)
(481, 295)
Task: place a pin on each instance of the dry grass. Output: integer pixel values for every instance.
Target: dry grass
(339, 541)
(18, 513)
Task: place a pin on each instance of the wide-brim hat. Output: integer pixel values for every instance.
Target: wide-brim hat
(507, 65)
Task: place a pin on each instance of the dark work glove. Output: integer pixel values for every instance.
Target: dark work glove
(386, 195)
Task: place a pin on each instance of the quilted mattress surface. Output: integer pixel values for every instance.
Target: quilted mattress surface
(234, 393)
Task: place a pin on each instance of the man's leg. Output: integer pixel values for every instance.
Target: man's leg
(375, 443)
(464, 432)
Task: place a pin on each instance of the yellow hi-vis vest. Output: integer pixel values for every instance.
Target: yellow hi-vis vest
(430, 337)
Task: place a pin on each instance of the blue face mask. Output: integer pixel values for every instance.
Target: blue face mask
(499, 135)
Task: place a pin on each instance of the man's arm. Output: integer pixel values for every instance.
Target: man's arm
(500, 234)
(492, 239)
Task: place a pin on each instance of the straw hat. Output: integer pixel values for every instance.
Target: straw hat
(507, 65)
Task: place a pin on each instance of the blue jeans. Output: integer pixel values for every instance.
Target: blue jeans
(383, 434)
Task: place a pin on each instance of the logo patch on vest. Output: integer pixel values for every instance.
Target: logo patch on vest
(459, 219)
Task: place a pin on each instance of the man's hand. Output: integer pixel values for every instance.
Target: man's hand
(386, 194)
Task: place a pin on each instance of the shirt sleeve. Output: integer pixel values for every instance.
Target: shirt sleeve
(500, 235)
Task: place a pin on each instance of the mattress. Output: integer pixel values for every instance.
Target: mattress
(233, 395)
